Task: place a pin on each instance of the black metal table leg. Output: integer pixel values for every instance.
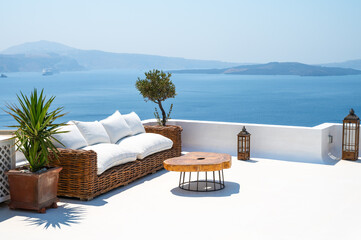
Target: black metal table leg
(206, 183)
(206, 186)
(197, 180)
(189, 182)
(214, 181)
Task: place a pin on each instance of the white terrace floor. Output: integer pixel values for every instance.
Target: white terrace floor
(263, 199)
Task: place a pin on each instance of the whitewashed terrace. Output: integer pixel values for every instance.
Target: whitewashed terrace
(290, 194)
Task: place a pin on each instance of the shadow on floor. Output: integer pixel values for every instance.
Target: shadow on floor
(230, 189)
(101, 200)
(64, 215)
(352, 161)
(329, 162)
(249, 161)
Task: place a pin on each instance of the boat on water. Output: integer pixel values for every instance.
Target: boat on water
(47, 72)
(3, 76)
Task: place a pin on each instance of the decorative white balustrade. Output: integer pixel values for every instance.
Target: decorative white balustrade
(7, 162)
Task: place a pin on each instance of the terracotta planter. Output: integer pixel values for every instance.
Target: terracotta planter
(34, 191)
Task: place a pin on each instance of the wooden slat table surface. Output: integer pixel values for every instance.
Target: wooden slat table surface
(199, 162)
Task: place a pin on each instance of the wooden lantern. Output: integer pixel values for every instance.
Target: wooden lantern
(244, 140)
(350, 136)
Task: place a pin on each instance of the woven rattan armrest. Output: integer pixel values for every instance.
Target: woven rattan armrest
(78, 177)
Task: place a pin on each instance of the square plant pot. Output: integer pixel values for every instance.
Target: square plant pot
(34, 191)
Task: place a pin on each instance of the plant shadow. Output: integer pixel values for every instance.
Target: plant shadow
(64, 215)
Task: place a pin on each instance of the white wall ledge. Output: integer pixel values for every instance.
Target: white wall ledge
(290, 143)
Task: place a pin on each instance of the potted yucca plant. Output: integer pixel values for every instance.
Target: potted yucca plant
(34, 186)
(157, 87)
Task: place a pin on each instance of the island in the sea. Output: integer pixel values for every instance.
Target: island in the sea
(277, 68)
(36, 56)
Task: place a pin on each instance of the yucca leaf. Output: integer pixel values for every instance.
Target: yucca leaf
(35, 127)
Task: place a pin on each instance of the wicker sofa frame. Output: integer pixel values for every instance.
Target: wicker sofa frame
(79, 178)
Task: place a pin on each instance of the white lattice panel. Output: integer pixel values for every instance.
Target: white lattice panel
(7, 162)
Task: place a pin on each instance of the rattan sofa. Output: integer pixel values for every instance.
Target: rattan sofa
(79, 177)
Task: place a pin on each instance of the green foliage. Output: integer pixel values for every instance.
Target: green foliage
(35, 127)
(156, 115)
(157, 87)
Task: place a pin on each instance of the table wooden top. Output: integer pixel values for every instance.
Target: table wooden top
(199, 162)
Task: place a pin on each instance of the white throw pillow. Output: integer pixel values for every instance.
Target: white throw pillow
(72, 139)
(146, 144)
(134, 123)
(116, 127)
(93, 132)
(110, 155)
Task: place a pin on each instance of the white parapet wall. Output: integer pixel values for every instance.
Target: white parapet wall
(290, 143)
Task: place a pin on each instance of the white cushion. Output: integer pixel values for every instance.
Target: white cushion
(72, 139)
(93, 132)
(110, 155)
(134, 123)
(116, 127)
(146, 144)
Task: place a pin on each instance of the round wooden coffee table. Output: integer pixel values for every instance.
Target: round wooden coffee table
(200, 162)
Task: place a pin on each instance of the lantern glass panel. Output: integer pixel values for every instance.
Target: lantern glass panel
(241, 144)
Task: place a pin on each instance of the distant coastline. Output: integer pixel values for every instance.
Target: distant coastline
(277, 68)
(36, 56)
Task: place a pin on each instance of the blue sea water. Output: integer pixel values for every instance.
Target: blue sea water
(282, 100)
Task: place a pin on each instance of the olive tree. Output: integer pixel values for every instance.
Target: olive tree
(157, 87)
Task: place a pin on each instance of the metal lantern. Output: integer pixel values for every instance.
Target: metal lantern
(244, 140)
(350, 136)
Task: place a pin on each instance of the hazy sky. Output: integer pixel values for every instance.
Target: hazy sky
(309, 31)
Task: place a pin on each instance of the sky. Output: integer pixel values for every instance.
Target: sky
(243, 31)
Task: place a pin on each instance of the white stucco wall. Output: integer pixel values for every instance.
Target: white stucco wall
(302, 144)
(290, 143)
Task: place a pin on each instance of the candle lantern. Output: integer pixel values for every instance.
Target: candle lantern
(244, 140)
(350, 136)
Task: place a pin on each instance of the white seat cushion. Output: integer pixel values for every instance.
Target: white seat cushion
(72, 139)
(93, 132)
(134, 123)
(110, 155)
(116, 127)
(146, 144)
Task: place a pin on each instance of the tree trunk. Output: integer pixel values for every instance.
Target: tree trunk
(164, 116)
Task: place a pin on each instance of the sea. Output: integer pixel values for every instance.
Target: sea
(279, 100)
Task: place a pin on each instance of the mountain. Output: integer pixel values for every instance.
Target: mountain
(39, 47)
(36, 63)
(38, 53)
(355, 64)
(35, 56)
(277, 68)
